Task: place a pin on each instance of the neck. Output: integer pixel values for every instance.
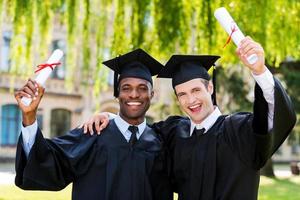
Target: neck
(133, 120)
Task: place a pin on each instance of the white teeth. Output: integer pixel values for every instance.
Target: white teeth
(134, 103)
(195, 106)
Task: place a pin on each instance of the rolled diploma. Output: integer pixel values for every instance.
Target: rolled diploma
(45, 73)
(228, 24)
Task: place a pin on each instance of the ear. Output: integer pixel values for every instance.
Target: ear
(210, 88)
(152, 94)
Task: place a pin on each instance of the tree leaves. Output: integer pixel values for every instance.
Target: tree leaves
(162, 27)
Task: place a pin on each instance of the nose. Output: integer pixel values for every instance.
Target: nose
(191, 99)
(134, 93)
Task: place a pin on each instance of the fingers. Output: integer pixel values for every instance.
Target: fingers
(97, 125)
(248, 47)
(85, 127)
(38, 95)
(90, 128)
(104, 124)
(19, 94)
(29, 90)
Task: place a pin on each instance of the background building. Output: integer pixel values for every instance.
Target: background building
(61, 110)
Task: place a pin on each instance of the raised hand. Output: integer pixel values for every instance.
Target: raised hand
(32, 90)
(248, 47)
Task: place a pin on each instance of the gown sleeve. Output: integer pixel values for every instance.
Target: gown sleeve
(53, 164)
(248, 133)
(166, 128)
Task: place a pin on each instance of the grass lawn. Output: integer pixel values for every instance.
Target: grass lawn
(279, 189)
(270, 189)
(12, 192)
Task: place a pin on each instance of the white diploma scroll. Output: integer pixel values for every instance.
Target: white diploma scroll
(232, 29)
(45, 73)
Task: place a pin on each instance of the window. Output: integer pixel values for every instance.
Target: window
(60, 122)
(59, 71)
(10, 124)
(5, 61)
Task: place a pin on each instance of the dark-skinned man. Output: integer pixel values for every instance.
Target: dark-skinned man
(126, 162)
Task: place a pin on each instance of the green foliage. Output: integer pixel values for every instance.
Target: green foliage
(167, 22)
(120, 42)
(162, 27)
(291, 75)
(139, 20)
(233, 84)
(86, 41)
(71, 21)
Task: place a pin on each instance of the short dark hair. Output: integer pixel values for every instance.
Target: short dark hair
(204, 81)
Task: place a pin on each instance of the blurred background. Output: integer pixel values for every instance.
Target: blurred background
(91, 31)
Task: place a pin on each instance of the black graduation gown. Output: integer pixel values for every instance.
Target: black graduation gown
(224, 163)
(105, 167)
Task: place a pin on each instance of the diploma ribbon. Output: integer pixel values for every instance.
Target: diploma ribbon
(43, 66)
(233, 29)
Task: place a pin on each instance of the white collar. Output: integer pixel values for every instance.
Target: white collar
(208, 122)
(123, 125)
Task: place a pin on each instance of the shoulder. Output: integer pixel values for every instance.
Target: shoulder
(74, 136)
(172, 121)
(238, 117)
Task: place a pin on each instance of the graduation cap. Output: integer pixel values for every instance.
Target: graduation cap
(183, 68)
(136, 64)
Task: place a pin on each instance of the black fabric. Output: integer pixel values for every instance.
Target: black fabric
(100, 167)
(133, 138)
(136, 64)
(224, 163)
(198, 132)
(183, 68)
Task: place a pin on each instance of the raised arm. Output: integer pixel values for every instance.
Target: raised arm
(260, 134)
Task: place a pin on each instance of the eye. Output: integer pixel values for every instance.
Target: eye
(143, 88)
(181, 94)
(125, 89)
(196, 90)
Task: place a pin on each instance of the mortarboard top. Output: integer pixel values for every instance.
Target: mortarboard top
(183, 68)
(136, 64)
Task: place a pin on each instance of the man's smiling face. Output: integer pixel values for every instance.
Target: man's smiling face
(134, 97)
(194, 97)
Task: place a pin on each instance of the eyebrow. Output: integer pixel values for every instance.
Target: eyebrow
(181, 93)
(139, 85)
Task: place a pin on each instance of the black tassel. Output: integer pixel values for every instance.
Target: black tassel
(116, 73)
(214, 78)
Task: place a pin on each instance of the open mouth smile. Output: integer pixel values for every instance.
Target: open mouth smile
(134, 103)
(195, 108)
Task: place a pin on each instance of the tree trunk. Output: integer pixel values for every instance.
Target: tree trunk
(268, 169)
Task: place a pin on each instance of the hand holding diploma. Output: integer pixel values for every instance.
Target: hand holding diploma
(30, 95)
(31, 90)
(45, 71)
(233, 30)
(249, 47)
